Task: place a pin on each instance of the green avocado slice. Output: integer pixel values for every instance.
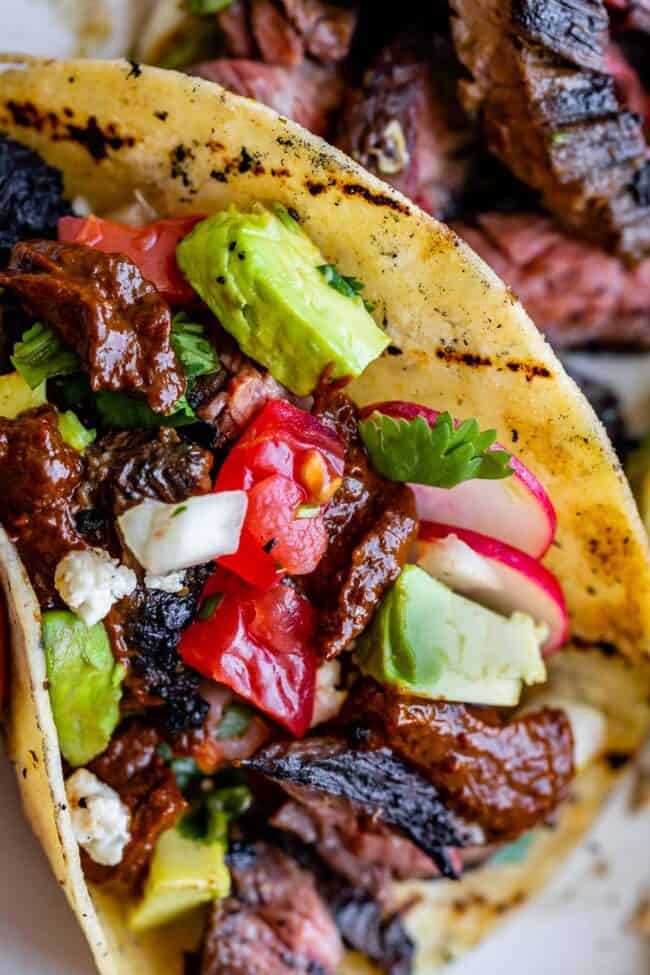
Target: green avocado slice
(184, 874)
(84, 684)
(259, 273)
(429, 641)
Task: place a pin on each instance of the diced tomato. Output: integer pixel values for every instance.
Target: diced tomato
(151, 248)
(279, 441)
(258, 643)
(286, 458)
(252, 563)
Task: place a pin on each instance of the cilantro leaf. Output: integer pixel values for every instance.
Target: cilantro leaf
(350, 287)
(193, 348)
(40, 355)
(129, 412)
(442, 456)
(208, 818)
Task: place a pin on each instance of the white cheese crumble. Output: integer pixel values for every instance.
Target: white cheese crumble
(100, 820)
(90, 581)
(172, 582)
(329, 700)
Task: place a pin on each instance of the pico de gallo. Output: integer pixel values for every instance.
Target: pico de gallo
(288, 640)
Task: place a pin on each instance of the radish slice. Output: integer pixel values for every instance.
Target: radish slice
(495, 575)
(516, 510)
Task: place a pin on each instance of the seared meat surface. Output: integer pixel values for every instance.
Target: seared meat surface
(31, 196)
(308, 93)
(574, 292)
(151, 622)
(374, 783)
(274, 922)
(358, 846)
(39, 473)
(133, 767)
(126, 467)
(285, 32)
(506, 777)
(371, 524)
(551, 113)
(102, 307)
(405, 124)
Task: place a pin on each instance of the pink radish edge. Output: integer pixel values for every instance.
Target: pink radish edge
(408, 411)
(512, 558)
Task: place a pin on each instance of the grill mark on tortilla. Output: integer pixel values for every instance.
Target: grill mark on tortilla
(89, 134)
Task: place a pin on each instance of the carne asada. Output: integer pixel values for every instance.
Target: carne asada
(551, 113)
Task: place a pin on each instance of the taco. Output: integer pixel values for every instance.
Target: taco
(308, 671)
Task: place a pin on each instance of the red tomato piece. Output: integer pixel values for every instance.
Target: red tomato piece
(284, 459)
(278, 441)
(251, 563)
(152, 248)
(260, 645)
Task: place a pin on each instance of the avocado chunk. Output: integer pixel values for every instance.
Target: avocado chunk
(85, 685)
(17, 396)
(184, 874)
(429, 641)
(259, 273)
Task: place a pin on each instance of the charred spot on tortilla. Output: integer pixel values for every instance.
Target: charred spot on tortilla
(617, 760)
(135, 70)
(447, 354)
(377, 199)
(163, 116)
(90, 136)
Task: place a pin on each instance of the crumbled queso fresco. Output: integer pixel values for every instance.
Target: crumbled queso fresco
(100, 820)
(90, 581)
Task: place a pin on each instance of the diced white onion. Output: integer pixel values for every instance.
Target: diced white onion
(170, 537)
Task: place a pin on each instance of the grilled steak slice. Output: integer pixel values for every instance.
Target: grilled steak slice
(371, 523)
(286, 32)
(326, 29)
(575, 292)
(363, 927)
(307, 93)
(373, 782)
(274, 923)
(102, 307)
(551, 114)
(368, 853)
(506, 777)
(630, 14)
(133, 767)
(406, 125)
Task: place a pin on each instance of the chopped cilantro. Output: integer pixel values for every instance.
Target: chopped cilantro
(209, 606)
(350, 287)
(442, 456)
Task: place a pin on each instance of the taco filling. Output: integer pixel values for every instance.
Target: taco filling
(293, 648)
